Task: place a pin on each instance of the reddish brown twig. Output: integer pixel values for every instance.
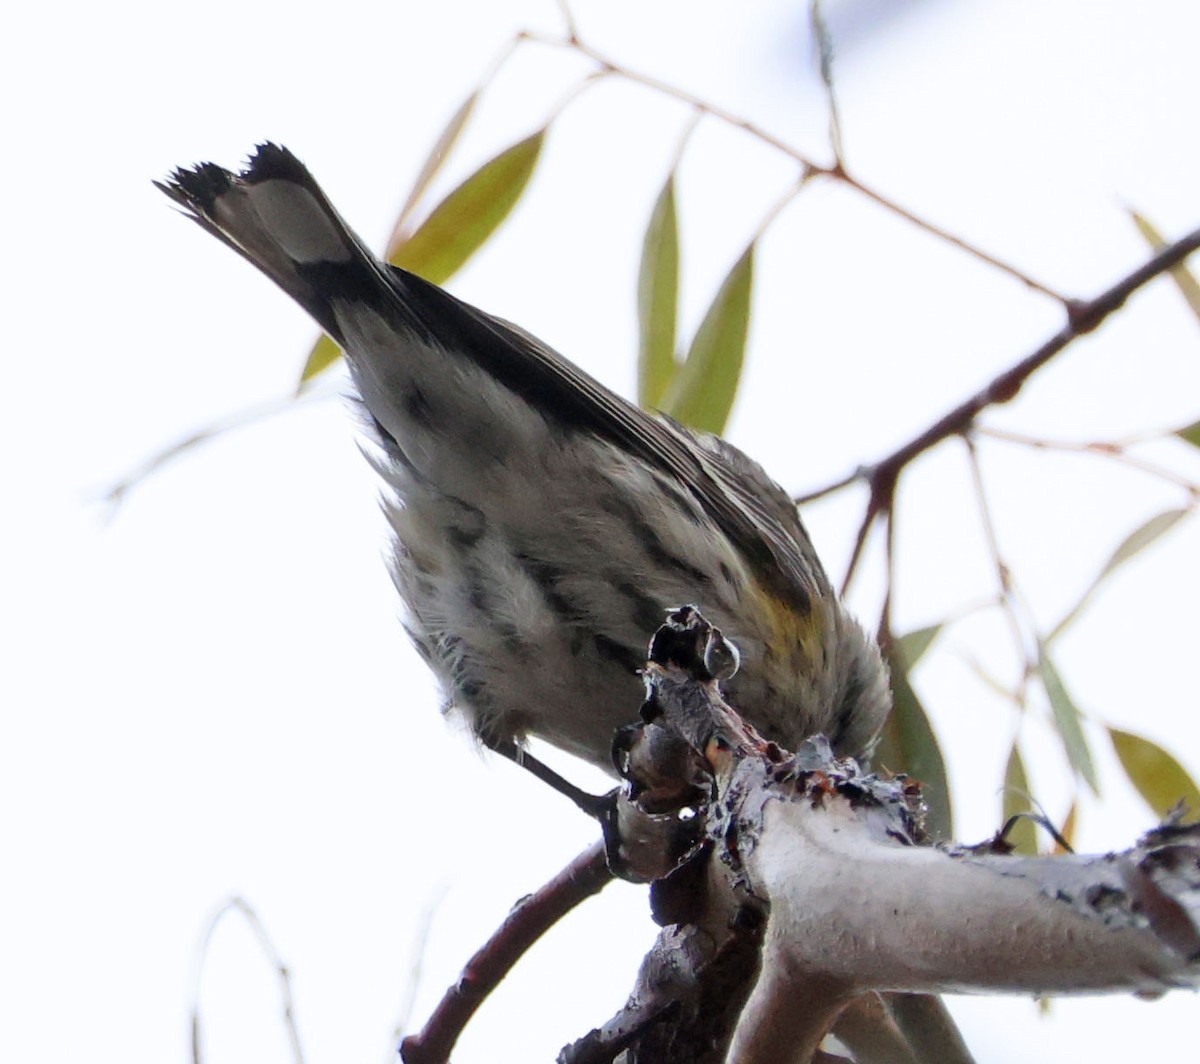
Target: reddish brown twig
(1083, 316)
(529, 919)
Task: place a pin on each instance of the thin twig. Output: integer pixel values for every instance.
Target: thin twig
(809, 166)
(1003, 571)
(240, 905)
(1083, 316)
(529, 919)
(824, 46)
(1115, 451)
(946, 236)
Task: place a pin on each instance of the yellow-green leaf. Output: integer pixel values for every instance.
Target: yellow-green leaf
(458, 226)
(702, 393)
(1067, 721)
(658, 299)
(908, 744)
(435, 160)
(912, 647)
(1137, 540)
(1069, 829)
(1159, 778)
(1023, 834)
(1190, 434)
(1181, 275)
(455, 229)
(323, 354)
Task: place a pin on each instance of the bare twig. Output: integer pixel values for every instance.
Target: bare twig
(1083, 316)
(824, 46)
(1113, 450)
(1004, 578)
(809, 167)
(240, 905)
(529, 919)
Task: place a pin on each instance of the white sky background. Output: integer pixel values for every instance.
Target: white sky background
(210, 693)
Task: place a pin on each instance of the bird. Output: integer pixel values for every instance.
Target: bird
(542, 525)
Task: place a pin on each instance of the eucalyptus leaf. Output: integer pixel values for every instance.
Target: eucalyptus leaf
(1190, 434)
(658, 300)
(703, 390)
(1133, 544)
(908, 744)
(1067, 721)
(323, 354)
(1023, 834)
(1184, 279)
(455, 229)
(458, 226)
(912, 646)
(1159, 778)
(438, 155)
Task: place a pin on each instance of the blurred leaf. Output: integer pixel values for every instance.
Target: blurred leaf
(658, 298)
(908, 744)
(1180, 274)
(323, 354)
(1191, 434)
(993, 683)
(1159, 778)
(455, 229)
(1067, 721)
(458, 226)
(912, 647)
(1023, 835)
(436, 159)
(702, 393)
(1137, 540)
(1070, 827)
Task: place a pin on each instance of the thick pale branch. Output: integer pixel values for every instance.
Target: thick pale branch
(870, 911)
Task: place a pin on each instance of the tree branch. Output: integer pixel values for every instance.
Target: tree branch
(529, 919)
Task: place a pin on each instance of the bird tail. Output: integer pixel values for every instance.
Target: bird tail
(275, 215)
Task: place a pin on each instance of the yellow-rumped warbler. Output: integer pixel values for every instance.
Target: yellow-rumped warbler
(542, 523)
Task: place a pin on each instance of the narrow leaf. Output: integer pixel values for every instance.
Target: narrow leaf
(1181, 275)
(1067, 721)
(1023, 834)
(458, 226)
(455, 229)
(908, 744)
(434, 161)
(1069, 829)
(658, 299)
(1142, 537)
(1159, 778)
(912, 647)
(323, 354)
(1190, 434)
(1134, 543)
(702, 393)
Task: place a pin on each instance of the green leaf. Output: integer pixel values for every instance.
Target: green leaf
(1023, 835)
(323, 354)
(1159, 778)
(1067, 721)
(658, 299)
(1134, 543)
(1069, 829)
(1181, 275)
(1190, 434)
(458, 226)
(908, 744)
(702, 393)
(912, 647)
(436, 159)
